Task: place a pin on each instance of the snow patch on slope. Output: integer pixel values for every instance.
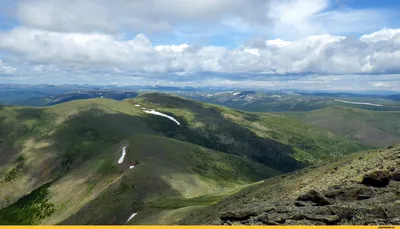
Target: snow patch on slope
(131, 217)
(121, 159)
(358, 103)
(154, 112)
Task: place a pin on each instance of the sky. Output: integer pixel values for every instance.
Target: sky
(346, 45)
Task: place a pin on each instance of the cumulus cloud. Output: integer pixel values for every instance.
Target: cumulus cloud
(6, 69)
(375, 53)
(382, 35)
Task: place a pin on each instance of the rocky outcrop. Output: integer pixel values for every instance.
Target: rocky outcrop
(315, 197)
(362, 189)
(373, 201)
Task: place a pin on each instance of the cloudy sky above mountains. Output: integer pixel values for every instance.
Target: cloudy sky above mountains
(303, 44)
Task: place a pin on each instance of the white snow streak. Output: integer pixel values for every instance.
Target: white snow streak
(223, 92)
(121, 159)
(133, 215)
(358, 103)
(137, 105)
(154, 112)
(131, 167)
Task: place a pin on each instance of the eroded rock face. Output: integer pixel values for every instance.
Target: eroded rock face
(246, 212)
(352, 192)
(316, 197)
(351, 203)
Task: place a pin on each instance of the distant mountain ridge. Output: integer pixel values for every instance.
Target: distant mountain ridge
(287, 101)
(83, 94)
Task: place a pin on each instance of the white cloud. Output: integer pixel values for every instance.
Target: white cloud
(278, 43)
(324, 54)
(382, 35)
(285, 19)
(171, 48)
(134, 16)
(381, 85)
(6, 69)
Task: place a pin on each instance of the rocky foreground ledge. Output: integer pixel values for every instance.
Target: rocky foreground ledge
(362, 189)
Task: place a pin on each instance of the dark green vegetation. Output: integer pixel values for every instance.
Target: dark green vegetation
(29, 209)
(372, 128)
(361, 189)
(74, 148)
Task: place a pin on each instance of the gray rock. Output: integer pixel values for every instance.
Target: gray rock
(262, 218)
(303, 222)
(300, 203)
(315, 197)
(284, 209)
(237, 215)
(276, 219)
(395, 221)
(363, 197)
(266, 208)
(328, 219)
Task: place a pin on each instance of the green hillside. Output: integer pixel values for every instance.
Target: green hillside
(58, 164)
(93, 192)
(360, 189)
(270, 139)
(372, 128)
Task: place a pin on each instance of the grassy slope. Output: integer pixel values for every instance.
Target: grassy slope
(261, 137)
(171, 211)
(345, 172)
(54, 140)
(103, 192)
(371, 128)
(171, 172)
